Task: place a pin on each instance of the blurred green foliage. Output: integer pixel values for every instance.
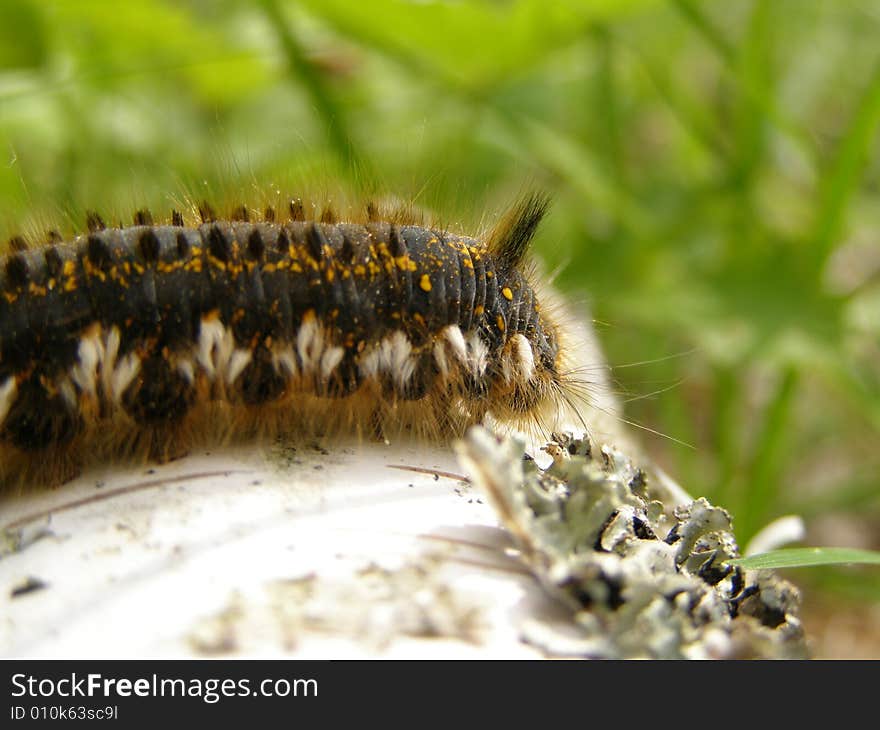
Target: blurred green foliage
(714, 164)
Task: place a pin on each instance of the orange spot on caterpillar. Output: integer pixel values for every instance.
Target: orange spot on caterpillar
(425, 283)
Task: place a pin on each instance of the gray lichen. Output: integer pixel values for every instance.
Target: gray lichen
(642, 579)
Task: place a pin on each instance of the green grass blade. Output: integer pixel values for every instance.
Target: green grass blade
(755, 76)
(690, 113)
(863, 396)
(846, 170)
(576, 163)
(713, 36)
(476, 45)
(302, 71)
(23, 38)
(727, 52)
(605, 92)
(806, 557)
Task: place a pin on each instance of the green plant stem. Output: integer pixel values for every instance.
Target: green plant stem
(845, 171)
(304, 72)
(729, 57)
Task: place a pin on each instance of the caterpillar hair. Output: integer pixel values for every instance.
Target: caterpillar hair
(143, 340)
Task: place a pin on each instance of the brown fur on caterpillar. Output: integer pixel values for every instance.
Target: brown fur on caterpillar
(141, 341)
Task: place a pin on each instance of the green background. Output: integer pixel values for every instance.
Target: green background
(714, 168)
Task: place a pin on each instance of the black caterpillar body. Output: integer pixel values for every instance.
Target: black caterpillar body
(125, 339)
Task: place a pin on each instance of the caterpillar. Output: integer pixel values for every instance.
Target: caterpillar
(132, 340)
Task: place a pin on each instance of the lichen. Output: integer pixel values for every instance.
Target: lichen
(641, 576)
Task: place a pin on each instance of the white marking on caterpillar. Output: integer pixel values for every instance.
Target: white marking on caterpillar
(107, 355)
(117, 374)
(521, 362)
(237, 363)
(215, 346)
(89, 357)
(391, 356)
(186, 368)
(395, 358)
(310, 343)
(451, 341)
(455, 338)
(284, 362)
(8, 391)
(68, 393)
(369, 363)
(331, 358)
(126, 371)
(440, 357)
(478, 353)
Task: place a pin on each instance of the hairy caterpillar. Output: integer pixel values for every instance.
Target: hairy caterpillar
(131, 341)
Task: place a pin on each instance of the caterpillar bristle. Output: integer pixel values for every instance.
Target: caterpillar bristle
(297, 213)
(328, 215)
(269, 214)
(17, 244)
(511, 238)
(94, 222)
(176, 218)
(143, 217)
(206, 212)
(240, 214)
